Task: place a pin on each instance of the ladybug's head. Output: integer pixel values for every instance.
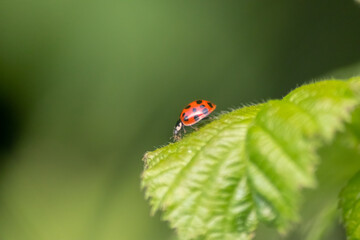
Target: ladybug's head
(178, 126)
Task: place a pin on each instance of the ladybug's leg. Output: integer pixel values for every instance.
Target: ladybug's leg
(177, 137)
(195, 128)
(208, 118)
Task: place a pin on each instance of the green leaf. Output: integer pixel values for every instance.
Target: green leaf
(249, 165)
(350, 207)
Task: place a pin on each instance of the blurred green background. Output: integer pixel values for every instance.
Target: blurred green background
(87, 87)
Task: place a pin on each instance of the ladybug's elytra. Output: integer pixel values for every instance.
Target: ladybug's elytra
(192, 114)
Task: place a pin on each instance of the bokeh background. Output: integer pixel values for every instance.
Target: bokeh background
(87, 87)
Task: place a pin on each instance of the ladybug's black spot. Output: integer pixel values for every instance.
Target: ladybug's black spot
(183, 114)
(205, 111)
(194, 109)
(199, 101)
(210, 104)
(187, 107)
(186, 118)
(196, 117)
(202, 106)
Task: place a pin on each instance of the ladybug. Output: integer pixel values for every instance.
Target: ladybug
(192, 114)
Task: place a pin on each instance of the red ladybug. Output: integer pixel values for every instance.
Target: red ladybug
(192, 114)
